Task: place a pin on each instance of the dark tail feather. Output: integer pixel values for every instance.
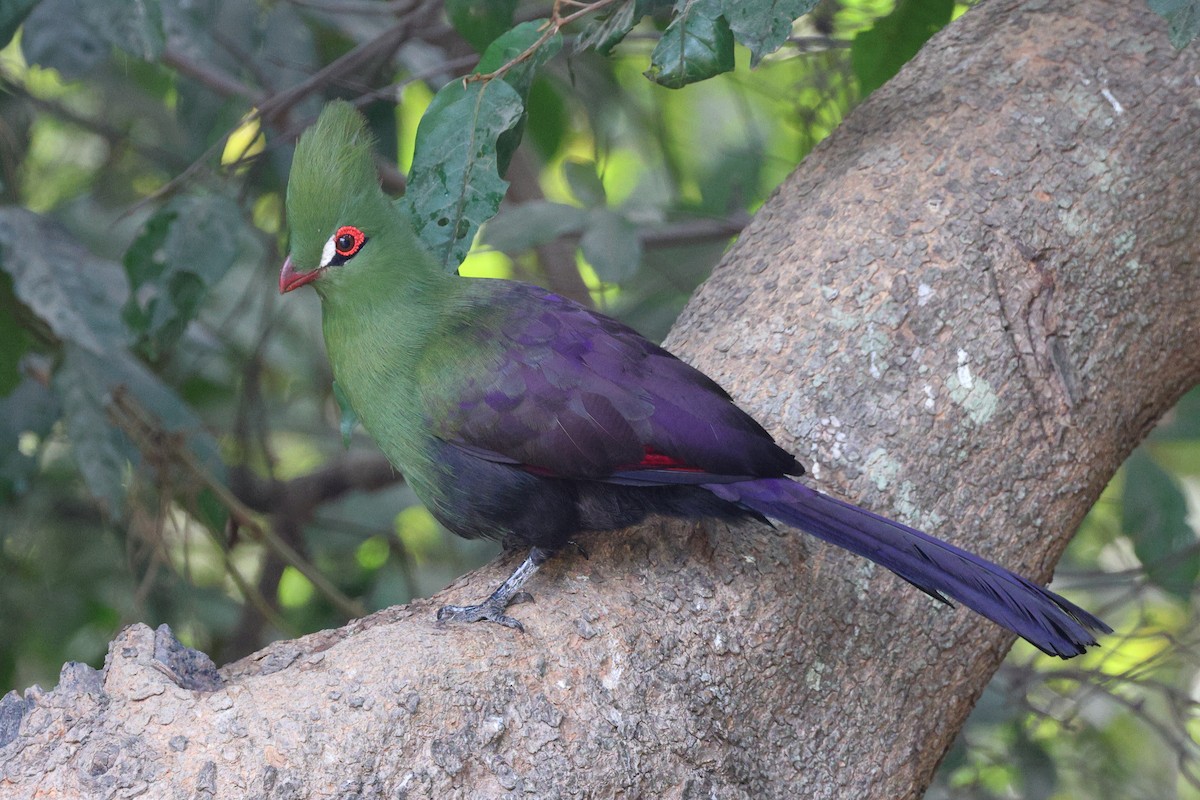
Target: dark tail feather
(1051, 623)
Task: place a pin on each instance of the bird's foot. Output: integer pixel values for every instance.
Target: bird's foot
(488, 610)
(509, 593)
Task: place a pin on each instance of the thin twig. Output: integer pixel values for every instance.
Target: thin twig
(553, 25)
(134, 420)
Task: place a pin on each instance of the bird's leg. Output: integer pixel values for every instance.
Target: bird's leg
(492, 609)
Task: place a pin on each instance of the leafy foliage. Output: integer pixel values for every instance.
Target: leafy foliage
(1154, 515)
(1183, 17)
(698, 44)
(880, 51)
(456, 184)
(465, 142)
(185, 247)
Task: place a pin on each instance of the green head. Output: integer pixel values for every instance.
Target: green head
(343, 225)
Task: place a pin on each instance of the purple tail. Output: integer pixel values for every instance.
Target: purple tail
(1051, 623)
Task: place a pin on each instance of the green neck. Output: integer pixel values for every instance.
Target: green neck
(379, 318)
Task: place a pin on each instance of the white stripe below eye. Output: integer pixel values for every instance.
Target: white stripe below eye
(328, 251)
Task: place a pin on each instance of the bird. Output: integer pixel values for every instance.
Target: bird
(519, 415)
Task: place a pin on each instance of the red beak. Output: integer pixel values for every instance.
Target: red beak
(290, 279)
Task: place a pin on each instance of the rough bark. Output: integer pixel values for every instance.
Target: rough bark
(964, 309)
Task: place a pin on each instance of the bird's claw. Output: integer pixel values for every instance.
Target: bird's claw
(485, 611)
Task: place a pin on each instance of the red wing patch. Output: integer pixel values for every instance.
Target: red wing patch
(652, 460)
(656, 460)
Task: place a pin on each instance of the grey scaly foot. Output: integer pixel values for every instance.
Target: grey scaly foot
(485, 611)
(508, 593)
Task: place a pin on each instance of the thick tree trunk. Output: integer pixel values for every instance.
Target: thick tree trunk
(963, 310)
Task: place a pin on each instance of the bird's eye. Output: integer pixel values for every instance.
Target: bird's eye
(348, 240)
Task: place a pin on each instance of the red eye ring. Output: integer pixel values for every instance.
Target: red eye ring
(348, 240)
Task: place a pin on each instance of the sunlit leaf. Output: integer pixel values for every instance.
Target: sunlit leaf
(455, 185)
(294, 589)
(418, 531)
(698, 44)
(879, 52)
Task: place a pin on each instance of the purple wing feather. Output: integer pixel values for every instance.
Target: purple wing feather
(574, 394)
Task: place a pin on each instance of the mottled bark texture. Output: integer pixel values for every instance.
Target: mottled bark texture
(964, 310)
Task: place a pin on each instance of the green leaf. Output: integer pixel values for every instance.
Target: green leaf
(1036, 768)
(101, 452)
(12, 14)
(879, 52)
(75, 293)
(1183, 18)
(764, 25)
(608, 30)
(1181, 422)
(135, 26)
(481, 21)
(74, 36)
(611, 245)
(552, 120)
(185, 248)
(58, 35)
(584, 179)
(348, 418)
(698, 44)
(1154, 517)
(287, 45)
(454, 185)
(531, 225)
(190, 28)
(86, 384)
(14, 339)
(29, 408)
(520, 76)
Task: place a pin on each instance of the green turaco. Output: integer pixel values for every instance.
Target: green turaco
(518, 415)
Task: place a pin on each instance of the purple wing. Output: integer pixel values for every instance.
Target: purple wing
(564, 391)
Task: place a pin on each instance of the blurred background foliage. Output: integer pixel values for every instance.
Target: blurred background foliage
(171, 449)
